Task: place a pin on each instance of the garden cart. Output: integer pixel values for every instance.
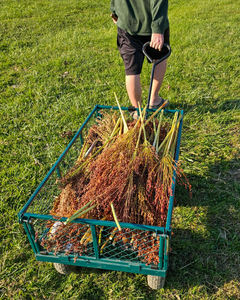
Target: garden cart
(102, 251)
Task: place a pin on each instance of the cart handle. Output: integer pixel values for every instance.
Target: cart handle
(155, 63)
(151, 59)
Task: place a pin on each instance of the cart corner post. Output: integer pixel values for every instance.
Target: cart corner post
(26, 223)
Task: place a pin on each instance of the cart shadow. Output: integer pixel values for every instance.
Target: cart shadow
(205, 243)
(204, 107)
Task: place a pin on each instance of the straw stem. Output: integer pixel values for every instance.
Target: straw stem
(124, 121)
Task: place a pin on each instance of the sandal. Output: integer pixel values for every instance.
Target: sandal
(160, 104)
(134, 115)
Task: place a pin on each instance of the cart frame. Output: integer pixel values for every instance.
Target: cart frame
(27, 219)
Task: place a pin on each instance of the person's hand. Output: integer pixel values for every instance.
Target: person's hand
(157, 41)
(114, 18)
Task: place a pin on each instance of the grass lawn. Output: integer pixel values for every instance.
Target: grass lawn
(57, 60)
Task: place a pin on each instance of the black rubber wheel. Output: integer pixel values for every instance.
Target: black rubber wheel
(156, 282)
(64, 269)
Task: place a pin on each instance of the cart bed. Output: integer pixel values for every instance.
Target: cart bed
(119, 256)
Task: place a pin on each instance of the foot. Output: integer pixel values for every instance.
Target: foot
(134, 115)
(162, 101)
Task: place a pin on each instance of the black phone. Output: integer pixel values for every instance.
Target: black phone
(115, 17)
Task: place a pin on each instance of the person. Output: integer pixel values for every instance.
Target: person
(141, 21)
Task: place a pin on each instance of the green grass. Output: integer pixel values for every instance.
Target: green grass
(57, 60)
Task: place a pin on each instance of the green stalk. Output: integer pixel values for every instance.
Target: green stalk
(138, 140)
(100, 235)
(81, 152)
(82, 208)
(124, 121)
(75, 216)
(136, 124)
(115, 128)
(140, 132)
(173, 147)
(110, 238)
(154, 114)
(154, 127)
(115, 217)
(142, 113)
(91, 157)
(174, 123)
(121, 126)
(86, 235)
(164, 141)
(90, 149)
(155, 143)
(168, 136)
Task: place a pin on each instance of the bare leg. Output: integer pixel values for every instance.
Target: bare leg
(157, 82)
(134, 90)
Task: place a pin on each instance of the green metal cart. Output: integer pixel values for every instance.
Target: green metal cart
(35, 216)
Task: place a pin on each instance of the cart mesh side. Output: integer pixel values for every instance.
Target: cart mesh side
(135, 248)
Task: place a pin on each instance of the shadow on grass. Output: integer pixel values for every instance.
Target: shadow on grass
(206, 244)
(213, 107)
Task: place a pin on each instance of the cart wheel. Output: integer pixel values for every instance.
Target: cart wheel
(155, 282)
(64, 269)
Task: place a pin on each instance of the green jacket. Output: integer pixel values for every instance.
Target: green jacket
(141, 17)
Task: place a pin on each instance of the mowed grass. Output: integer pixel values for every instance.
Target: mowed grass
(57, 60)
